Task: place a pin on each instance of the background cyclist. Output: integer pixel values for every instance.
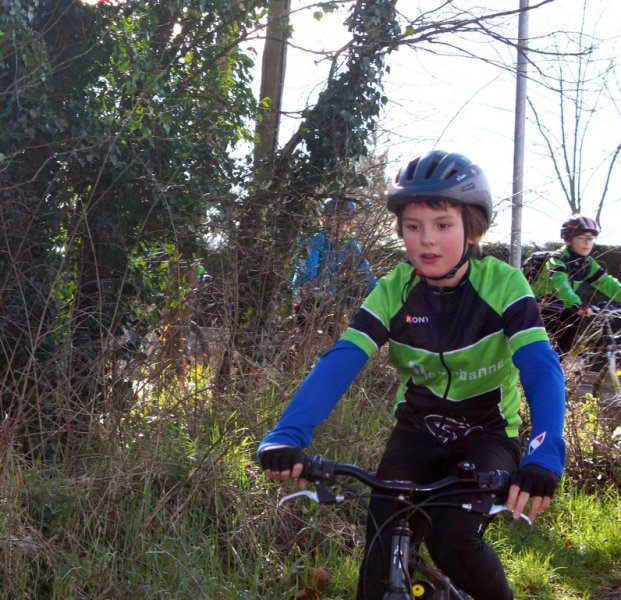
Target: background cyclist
(332, 251)
(561, 276)
(461, 328)
(331, 268)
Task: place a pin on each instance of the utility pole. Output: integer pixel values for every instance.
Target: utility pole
(515, 255)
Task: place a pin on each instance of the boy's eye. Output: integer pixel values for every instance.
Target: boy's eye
(443, 226)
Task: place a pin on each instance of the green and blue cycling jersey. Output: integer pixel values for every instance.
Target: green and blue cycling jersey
(565, 272)
(460, 353)
(328, 260)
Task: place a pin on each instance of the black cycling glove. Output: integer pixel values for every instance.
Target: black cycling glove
(281, 459)
(536, 480)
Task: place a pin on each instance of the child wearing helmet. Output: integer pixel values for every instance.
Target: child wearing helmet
(461, 328)
(561, 276)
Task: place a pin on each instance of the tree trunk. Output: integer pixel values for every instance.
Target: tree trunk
(272, 83)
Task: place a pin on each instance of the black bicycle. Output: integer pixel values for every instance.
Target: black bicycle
(411, 575)
(596, 356)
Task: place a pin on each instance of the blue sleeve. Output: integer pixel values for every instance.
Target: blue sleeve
(544, 386)
(310, 269)
(318, 395)
(364, 266)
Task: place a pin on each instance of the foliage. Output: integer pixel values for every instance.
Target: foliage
(335, 131)
(117, 166)
(118, 121)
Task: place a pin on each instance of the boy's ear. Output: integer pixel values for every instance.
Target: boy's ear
(474, 239)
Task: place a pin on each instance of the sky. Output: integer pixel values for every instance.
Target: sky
(467, 106)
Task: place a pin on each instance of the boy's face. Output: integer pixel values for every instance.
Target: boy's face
(582, 244)
(338, 224)
(434, 240)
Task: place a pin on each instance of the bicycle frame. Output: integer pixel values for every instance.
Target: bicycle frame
(400, 586)
(398, 579)
(602, 344)
(609, 346)
(613, 348)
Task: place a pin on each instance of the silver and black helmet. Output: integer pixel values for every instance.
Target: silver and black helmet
(440, 175)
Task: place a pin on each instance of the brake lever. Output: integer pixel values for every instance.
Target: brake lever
(299, 494)
(322, 496)
(499, 508)
(493, 509)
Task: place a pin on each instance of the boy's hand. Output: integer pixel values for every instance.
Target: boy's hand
(578, 309)
(535, 483)
(283, 463)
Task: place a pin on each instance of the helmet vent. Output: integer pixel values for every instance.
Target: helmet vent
(432, 167)
(409, 172)
(451, 173)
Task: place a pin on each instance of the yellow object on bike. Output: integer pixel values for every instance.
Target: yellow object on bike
(419, 590)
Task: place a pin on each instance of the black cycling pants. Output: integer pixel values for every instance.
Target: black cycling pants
(454, 539)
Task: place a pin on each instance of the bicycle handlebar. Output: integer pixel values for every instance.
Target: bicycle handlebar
(608, 309)
(494, 483)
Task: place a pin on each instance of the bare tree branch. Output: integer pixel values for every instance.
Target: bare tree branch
(608, 175)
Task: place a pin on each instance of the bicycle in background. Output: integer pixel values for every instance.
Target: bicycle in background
(411, 575)
(595, 361)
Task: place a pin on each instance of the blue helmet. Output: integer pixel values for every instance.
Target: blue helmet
(440, 175)
(339, 205)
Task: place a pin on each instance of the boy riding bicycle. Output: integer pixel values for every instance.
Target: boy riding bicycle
(563, 273)
(461, 329)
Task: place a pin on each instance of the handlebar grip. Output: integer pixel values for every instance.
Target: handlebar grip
(318, 467)
(498, 482)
